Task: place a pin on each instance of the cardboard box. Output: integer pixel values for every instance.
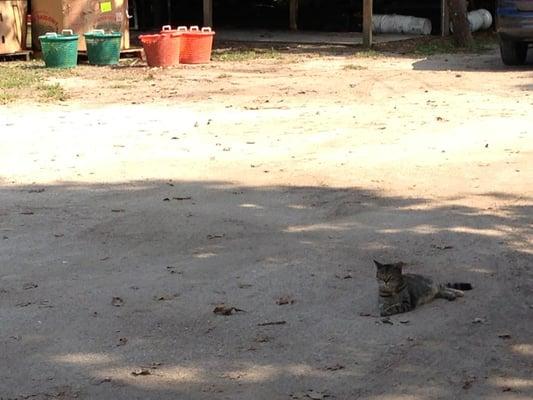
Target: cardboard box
(12, 26)
(81, 16)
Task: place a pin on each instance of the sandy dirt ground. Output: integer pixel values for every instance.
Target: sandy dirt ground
(128, 213)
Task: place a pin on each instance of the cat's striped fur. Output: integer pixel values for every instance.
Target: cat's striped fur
(400, 292)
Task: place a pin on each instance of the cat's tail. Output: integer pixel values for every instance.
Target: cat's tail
(460, 285)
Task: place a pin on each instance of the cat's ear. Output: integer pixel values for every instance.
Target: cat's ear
(378, 264)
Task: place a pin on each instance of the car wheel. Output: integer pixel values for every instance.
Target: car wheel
(513, 53)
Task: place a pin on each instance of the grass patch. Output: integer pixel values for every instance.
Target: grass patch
(16, 78)
(25, 81)
(371, 53)
(432, 45)
(120, 86)
(236, 55)
(354, 67)
(52, 92)
(446, 46)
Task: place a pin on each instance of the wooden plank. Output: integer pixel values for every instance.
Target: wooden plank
(445, 18)
(367, 22)
(132, 52)
(293, 15)
(208, 13)
(23, 54)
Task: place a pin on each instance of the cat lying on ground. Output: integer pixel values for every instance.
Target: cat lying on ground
(399, 293)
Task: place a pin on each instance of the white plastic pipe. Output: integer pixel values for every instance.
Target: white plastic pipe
(400, 24)
(478, 20)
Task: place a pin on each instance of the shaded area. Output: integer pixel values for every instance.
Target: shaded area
(173, 250)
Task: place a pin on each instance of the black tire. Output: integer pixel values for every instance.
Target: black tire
(513, 53)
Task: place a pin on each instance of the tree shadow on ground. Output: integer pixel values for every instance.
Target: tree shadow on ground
(173, 250)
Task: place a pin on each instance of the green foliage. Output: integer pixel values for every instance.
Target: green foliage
(245, 55)
(27, 78)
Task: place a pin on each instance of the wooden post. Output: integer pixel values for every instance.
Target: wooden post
(208, 13)
(445, 19)
(293, 15)
(367, 22)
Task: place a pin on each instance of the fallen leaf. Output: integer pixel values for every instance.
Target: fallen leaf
(100, 381)
(386, 321)
(347, 276)
(244, 285)
(118, 210)
(272, 323)
(141, 371)
(104, 259)
(29, 285)
(166, 199)
(122, 341)
(36, 190)
(446, 247)
(24, 304)
(224, 310)
(216, 236)
(166, 297)
(405, 321)
(262, 339)
(478, 321)
(58, 235)
(182, 198)
(335, 367)
(117, 302)
(285, 300)
(316, 395)
(507, 389)
(504, 336)
(27, 213)
(467, 384)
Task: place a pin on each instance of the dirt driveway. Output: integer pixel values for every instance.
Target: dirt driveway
(130, 211)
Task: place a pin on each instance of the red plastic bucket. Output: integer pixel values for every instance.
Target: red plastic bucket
(196, 45)
(162, 50)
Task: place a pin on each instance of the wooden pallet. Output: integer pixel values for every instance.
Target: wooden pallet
(134, 52)
(18, 55)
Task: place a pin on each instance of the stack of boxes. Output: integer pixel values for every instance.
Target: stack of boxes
(12, 26)
(81, 16)
(55, 15)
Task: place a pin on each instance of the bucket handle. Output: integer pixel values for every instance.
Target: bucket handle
(182, 28)
(50, 34)
(97, 31)
(194, 28)
(206, 29)
(166, 28)
(67, 31)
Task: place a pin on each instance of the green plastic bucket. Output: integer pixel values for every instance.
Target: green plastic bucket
(59, 50)
(103, 48)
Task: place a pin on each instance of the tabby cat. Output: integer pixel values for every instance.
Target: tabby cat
(400, 293)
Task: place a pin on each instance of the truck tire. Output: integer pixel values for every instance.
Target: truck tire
(513, 53)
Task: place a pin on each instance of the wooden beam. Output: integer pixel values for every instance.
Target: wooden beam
(445, 19)
(367, 22)
(208, 13)
(293, 15)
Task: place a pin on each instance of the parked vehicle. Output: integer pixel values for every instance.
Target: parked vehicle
(514, 24)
